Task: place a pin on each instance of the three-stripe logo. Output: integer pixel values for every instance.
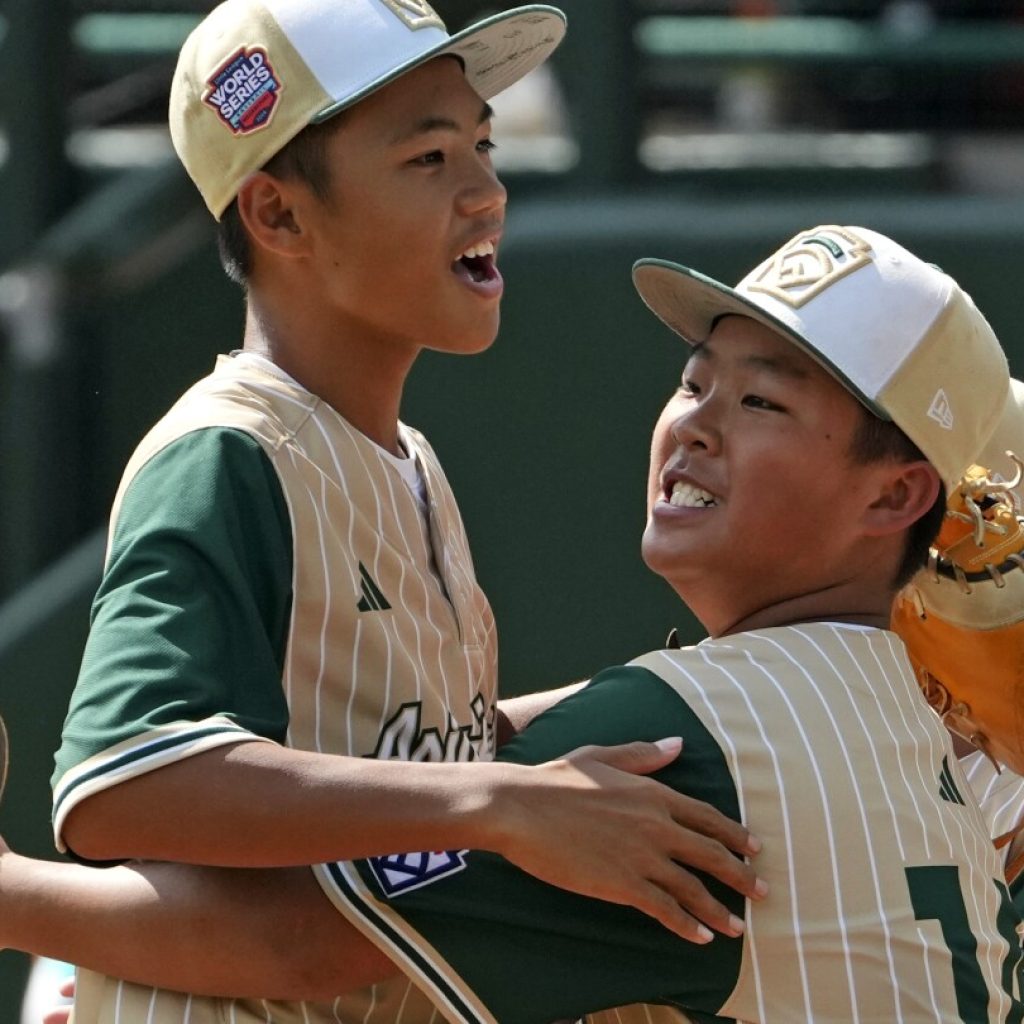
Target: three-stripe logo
(947, 787)
(372, 600)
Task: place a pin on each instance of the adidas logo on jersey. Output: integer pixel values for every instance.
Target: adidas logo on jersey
(372, 600)
(947, 787)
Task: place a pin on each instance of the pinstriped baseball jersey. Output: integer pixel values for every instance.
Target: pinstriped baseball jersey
(1000, 795)
(367, 632)
(885, 904)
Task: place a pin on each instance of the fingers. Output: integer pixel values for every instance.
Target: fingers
(706, 820)
(708, 848)
(657, 903)
(694, 900)
(638, 758)
(58, 1015)
(3, 757)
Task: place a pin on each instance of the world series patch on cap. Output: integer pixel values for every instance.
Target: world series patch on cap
(254, 73)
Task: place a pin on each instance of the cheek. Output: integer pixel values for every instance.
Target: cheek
(662, 447)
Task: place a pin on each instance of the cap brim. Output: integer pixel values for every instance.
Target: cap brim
(1008, 436)
(496, 53)
(689, 303)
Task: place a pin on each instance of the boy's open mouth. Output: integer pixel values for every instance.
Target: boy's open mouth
(477, 264)
(685, 495)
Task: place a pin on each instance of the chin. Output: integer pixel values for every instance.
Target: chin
(469, 342)
(672, 567)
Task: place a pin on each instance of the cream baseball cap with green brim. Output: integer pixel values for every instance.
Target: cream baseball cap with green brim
(254, 73)
(898, 333)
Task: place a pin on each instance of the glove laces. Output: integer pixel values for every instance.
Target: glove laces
(979, 494)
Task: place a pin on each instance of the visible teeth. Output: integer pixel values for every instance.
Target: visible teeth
(476, 251)
(685, 495)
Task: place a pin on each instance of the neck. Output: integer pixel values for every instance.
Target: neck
(848, 603)
(361, 377)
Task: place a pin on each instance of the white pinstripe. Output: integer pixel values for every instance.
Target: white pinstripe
(829, 833)
(872, 860)
(734, 764)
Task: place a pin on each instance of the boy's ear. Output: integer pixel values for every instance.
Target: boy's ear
(267, 206)
(905, 492)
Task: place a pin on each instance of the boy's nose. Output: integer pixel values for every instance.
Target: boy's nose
(484, 194)
(695, 429)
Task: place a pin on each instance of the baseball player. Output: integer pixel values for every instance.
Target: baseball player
(796, 483)
(802, 709)
(288, 578)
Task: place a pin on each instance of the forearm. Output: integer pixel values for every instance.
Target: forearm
(261, 805)
(516, 713)
(207, 931)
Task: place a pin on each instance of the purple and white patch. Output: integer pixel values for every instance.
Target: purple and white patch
(403, 872)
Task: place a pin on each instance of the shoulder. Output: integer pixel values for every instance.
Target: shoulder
(234, 396)
(788, 655)
(215, 483)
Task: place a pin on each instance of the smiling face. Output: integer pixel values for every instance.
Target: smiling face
(754, 502)
(403, 248)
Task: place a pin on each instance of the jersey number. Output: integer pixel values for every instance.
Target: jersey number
(935, 895)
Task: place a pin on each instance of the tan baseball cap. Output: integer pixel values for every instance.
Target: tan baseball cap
(898, 333)
(1007, 437)
(254, 73)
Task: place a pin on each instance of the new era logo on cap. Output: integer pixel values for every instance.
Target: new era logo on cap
(940, 410)
(415, 13)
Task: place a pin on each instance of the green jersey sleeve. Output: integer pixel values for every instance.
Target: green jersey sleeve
(491, 943)
(189, 626)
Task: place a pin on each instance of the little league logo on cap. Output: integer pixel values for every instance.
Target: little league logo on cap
(266, 69)
(415, 13)
(809, 264)
(244, 91)
(897, 332)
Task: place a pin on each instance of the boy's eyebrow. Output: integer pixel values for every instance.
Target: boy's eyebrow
(437, 123)
(778, 367)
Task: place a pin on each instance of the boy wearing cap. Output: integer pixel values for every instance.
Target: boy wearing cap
(785, 510)
(288, 577)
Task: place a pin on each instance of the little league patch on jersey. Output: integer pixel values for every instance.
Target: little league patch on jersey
(244, 91)
(808, 264)
(403, 872)
(415, 13)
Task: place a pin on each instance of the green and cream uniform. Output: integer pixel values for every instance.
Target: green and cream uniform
(886, 900)
(272, 575)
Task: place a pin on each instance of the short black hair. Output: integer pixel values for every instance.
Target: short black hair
(303, 159)
(876, 440)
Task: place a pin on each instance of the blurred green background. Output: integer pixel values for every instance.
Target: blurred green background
(704, 131)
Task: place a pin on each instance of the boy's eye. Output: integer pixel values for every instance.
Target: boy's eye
(757, 402)
(435, 156)
(486, 146)
(689, 388)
